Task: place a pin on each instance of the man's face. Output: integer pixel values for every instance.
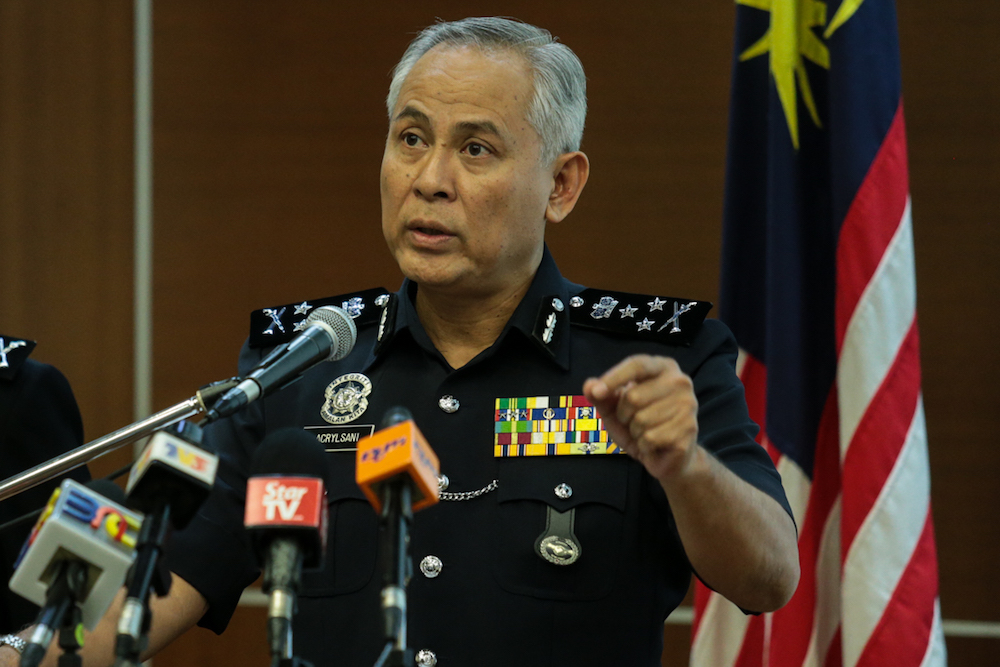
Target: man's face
(464, 192)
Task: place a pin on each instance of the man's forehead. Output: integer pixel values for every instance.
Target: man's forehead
(502, 74)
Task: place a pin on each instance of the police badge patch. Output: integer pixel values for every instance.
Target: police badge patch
(346, 398)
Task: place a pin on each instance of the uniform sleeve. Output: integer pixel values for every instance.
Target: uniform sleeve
(213, 552)
(724, 425)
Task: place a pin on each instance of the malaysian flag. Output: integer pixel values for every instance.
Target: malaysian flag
(818, 286)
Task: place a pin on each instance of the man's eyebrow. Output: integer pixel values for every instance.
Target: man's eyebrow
(466, 126)
(479, 127)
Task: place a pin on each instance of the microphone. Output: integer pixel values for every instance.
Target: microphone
(397, 452)
(397, 471)
(329, 335)
(77, 554)
(169, 481)
(286, 516)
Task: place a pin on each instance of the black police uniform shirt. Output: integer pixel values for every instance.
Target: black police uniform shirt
(493, 600)
(39, 419)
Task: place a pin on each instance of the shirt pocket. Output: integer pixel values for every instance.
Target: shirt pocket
(526, 490)
(352, 539)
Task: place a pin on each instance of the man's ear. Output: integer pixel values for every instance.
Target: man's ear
(570, 173)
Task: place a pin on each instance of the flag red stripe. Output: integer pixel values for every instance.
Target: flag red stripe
(792, 625)
(902, 634)
(871, 222)
(879, 437)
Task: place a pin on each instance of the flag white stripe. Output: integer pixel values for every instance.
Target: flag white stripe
(797, 487)
(876, 330)
(937, 655)
(828, 602)
(720, 634)
(885, 542)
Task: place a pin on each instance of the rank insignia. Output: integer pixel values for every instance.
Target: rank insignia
(549, 426)
(550, 324)
(13, 352)
(668, 320)
(346, 398)
(279, 324)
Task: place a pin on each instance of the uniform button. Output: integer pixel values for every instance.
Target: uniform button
(576, 301)
(426, 658)
(448, 403)
(443, 482)
(431, 566)
(558, 304)
(564, 491)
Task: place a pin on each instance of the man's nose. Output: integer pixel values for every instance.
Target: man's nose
(435, 179)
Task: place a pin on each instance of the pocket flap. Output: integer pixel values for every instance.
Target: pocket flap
(564, 482)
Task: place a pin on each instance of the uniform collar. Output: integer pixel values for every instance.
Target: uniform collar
(542, 317)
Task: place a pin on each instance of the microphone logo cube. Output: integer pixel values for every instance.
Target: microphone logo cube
(79, 523)
(398, 450)
(284, 501)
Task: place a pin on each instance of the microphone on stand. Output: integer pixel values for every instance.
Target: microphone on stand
(171, 479)
(397, 471)
(329, 335)
(286, 516)
(74, 562)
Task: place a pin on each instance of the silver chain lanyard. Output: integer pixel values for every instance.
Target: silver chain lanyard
(469, 495)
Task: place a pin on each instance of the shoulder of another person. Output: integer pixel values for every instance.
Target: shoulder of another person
(14, 353)
(662, 319)
(279, 324)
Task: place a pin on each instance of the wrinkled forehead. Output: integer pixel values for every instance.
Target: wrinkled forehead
(501, 70)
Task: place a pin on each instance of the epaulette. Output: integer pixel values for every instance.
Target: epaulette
(669, 320)
(13, 352)
(279, 324)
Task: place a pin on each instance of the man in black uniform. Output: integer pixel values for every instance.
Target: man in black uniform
(39, 419)
(595, 446)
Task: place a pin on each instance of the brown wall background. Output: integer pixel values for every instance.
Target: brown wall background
(268, 130)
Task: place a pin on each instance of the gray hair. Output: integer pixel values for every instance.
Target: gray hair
(558, 109)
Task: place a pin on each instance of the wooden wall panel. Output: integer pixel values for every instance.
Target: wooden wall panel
(269, 124)
(66, 197)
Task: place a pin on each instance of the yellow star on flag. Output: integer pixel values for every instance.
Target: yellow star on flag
(789, 40)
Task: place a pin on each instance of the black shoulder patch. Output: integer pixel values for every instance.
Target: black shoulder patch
(279, 324)
(13, 352)
(665, 319)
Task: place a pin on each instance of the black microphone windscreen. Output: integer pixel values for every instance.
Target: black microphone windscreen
(289, 451)
(108, 489)
(395, 415)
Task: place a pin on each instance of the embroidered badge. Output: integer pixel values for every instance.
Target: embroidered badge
(549, 426)
(346, 398)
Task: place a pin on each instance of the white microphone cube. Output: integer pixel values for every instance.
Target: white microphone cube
(79, 524)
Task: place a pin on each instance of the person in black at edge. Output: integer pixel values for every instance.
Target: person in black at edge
(39, 419)
(566, 538)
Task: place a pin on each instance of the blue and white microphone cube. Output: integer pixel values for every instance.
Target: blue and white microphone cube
(79, 524)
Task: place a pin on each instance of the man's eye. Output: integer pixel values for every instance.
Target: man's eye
(475, 150)
(411, 140)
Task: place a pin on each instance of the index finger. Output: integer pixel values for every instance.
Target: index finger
(636, 368)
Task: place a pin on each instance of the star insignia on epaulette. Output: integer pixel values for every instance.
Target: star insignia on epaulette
(656, 304)
(279, 324)
(644, 321)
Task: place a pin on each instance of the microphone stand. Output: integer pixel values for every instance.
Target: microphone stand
(196, 405)
(397, 514)
(145, 576)
(61, 611)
